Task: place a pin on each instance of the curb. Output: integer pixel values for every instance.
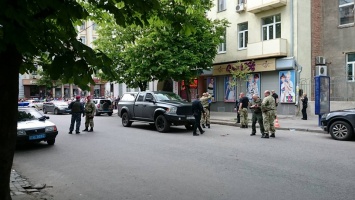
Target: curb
(257, 126)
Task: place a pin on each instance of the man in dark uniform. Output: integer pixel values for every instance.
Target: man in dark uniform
(243, 110)
(236, 108)
(304, 100)
(196, 111)
(77, 109)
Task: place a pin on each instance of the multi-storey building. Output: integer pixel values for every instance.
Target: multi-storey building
(333, 48)
(276, 35)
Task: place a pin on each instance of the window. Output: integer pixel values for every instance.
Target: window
(149, 95)
(243, 36)
(271, 27)
(222, 47)
(346, 11)
(94, 26)
(351, 67)
(140, 97)
(221, 5)
(82, 26)
(83, 39)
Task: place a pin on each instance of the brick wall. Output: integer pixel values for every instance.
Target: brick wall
(317, 34)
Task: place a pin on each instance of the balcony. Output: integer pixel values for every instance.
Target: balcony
(267, 48)
(256, 6)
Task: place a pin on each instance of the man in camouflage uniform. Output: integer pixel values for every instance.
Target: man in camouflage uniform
(268, 109)
(206, 97)
(76, 109)
(89, 114)
(255, 107)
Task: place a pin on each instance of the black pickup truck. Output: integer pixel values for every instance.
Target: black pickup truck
(161, 109)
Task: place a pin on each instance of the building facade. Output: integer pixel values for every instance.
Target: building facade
(333, 48)
(276, 36)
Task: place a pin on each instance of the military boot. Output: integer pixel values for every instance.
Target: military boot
(252, 134)
(86, 129)
(208, 125)
(91, 130)
(265, 135)
(203, 126)
(272, 135)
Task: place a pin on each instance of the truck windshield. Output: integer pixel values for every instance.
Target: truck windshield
(167, 97)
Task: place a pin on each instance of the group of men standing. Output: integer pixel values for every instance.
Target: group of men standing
(78, 109)
(263, 112)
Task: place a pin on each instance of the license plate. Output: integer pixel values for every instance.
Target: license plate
(190, 117)
(35, 137)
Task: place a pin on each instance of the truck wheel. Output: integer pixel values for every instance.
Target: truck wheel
(162, 124)
(109, 114)
(56, 111)
(125, 120)
(97, 113)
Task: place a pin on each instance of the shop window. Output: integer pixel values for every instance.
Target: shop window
(271, 27)
(346, 12)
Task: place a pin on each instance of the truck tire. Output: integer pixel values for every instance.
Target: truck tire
(125, 120)
(161, 124)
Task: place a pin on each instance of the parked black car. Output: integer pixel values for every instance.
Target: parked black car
(340, 124)
(56, 107)
(161, 109)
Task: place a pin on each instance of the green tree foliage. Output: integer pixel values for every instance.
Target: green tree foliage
(37, 28)
(159, 51)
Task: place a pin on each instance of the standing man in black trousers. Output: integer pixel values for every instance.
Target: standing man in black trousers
(236, 108)
(197, 109)
(304, 106)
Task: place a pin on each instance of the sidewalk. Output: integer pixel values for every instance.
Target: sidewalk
(287, 122)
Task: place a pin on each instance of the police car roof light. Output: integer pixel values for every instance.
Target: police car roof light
(23, 104)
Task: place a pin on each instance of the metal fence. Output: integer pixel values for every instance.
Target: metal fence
(341, 89)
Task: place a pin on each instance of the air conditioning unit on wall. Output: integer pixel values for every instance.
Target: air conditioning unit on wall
(320, 60)
(240, 7)
(321, 70)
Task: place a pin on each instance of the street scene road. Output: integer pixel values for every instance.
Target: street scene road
(225, 163)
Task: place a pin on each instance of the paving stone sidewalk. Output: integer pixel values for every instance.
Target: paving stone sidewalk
(21, 189)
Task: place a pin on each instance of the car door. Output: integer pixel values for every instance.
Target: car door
(149, 106)
(50, 107)
(138, 106)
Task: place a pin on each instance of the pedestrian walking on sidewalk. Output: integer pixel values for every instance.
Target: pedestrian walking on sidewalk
(255, 107)
(304, 100)
(197, 109)
(206, 97)
(89, 114)
(243, 110)
(268, 110)
(77, 109)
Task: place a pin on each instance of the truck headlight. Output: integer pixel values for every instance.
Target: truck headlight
(171, 110)
(51, 129)
(21, 132)
(325, 115)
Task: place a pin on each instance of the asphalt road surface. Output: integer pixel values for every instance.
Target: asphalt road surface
(225, 163)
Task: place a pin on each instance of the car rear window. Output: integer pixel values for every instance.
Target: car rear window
(107, 101)
(128, 97)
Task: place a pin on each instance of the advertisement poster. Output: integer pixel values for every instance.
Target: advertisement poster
(230, 89)
(253, 85)
(211, 88)
(287, 87)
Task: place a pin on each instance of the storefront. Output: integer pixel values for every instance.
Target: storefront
(269, 74)
(32, 90)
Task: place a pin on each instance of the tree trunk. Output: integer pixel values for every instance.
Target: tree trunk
(11, 60)
(188, 91)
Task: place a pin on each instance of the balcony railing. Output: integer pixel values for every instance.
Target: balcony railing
(267, 48)
(256, 6)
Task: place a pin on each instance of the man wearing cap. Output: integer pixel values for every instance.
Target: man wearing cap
(89, 114)
(76, 109)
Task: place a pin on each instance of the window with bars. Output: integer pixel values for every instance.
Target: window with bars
(271, 27)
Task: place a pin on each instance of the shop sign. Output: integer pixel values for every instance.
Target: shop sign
(224, 69)
(265, 65)
(29, 82)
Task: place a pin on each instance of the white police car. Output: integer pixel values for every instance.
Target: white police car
(32, 126)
